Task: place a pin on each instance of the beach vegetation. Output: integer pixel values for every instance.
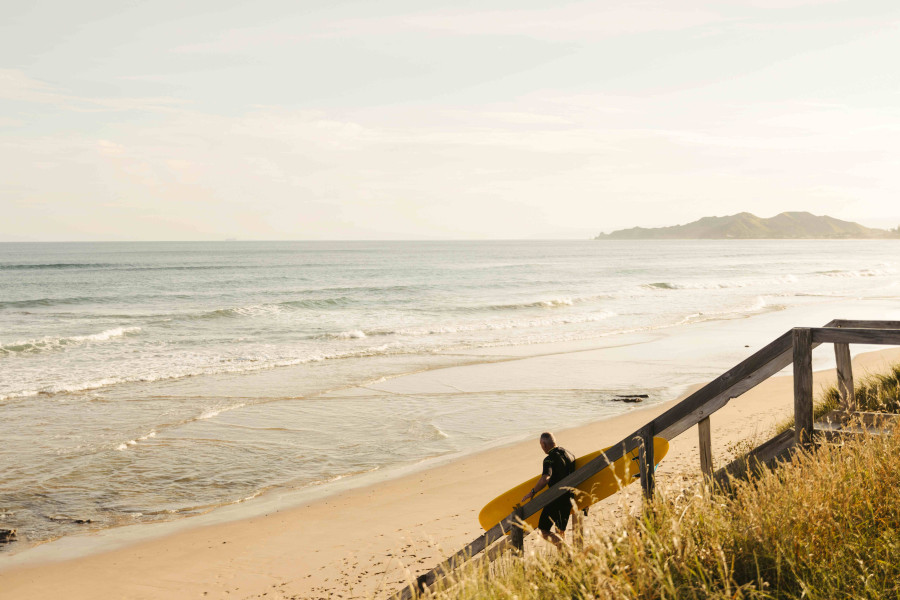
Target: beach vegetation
(875, 392)
(825, 524)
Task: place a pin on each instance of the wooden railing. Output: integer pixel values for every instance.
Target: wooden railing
(794, 346)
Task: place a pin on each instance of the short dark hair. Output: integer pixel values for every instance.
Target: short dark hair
(548, 437)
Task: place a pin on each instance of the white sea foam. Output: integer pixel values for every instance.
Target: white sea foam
(855, 274)
(343, 476)
(125, 445)
(761, 283)
(214, 412)
(108, 334)
(760, 304)
(258, 309)
(216, 367)
(55, 343)
(556, 302)
(355, 334)
(80, 387)
(499, 325)
(715, 285)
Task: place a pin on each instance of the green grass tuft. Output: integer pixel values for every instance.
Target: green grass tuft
(874, 393)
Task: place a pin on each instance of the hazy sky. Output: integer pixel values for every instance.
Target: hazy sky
(311, 119)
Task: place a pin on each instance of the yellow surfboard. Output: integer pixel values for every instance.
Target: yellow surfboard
(605, 483)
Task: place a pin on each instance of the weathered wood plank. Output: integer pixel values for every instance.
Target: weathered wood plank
(481, 561)
(781, 446)
(803, 385)
(647, 464)
(738, 380)
(837, 437)
(705, 433)
(845, 376)
(473, 548)
(497, 550)
(517, 535)
(831, 335)
(777, 448)
(734, 382)
(864, 324)
(872, 422)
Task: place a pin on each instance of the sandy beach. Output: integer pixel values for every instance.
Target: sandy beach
(367, 541)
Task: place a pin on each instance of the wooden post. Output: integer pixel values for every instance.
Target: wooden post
(706, 461)
(648, 477)
(845, 377)
(803, 386)
(517, 534)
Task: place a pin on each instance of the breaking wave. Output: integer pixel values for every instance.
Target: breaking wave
(551, 303)
(58, 343)
(355, 334)
(859, 273)
(241, 365)
(270, 309)
(507, 324)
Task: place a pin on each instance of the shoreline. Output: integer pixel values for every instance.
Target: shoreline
(553, 367)
(484, 398)
(368, 538)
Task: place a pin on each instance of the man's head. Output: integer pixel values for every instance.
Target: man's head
(548, 442)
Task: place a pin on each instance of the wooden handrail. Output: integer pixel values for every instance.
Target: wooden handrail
(696, 407)
(857, 335)
(864, 324)
(741, 378)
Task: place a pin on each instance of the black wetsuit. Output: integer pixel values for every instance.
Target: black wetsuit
(558, 464)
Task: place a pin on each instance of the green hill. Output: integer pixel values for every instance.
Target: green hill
(746, 226)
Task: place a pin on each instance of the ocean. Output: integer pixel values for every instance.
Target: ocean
(142, 382)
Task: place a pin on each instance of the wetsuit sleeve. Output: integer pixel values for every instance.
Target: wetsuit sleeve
(548, 467)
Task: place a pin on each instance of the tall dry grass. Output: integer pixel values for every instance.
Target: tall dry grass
(879, 392)
(875, 392)
(825, 525)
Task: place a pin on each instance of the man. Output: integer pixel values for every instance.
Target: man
(558, 464)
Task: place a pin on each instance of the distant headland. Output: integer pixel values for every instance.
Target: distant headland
(746, 226)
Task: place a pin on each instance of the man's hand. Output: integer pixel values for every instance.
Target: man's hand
(537, 487)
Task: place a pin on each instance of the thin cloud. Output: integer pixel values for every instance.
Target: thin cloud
(565, 23)
(15, 85)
